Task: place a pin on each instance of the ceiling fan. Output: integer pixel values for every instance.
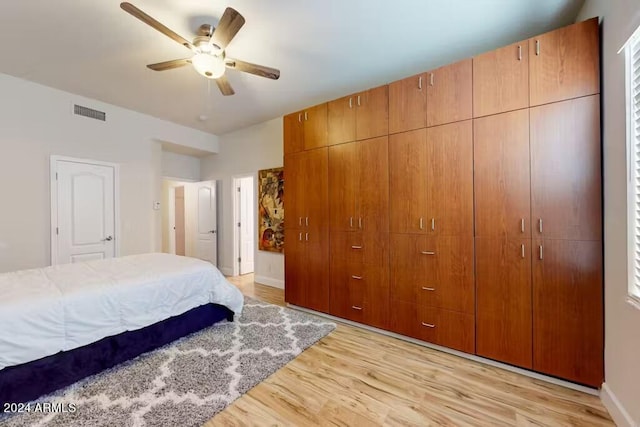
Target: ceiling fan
(208, 46)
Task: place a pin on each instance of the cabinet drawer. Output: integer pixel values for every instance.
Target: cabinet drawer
(359, 247)
(443, 327)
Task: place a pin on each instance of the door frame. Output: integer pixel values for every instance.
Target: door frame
(235, 182)
(172, 211)
(53, 171)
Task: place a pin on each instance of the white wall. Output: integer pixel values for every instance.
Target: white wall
(180, 166)
(36, 122)
(241, 153)
(622, 321)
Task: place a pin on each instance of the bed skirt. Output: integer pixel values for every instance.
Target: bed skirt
(29, 381)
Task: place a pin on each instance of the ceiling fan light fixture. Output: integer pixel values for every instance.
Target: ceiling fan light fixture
(210, 66)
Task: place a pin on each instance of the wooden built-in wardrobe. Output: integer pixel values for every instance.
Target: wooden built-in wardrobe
(461, 206)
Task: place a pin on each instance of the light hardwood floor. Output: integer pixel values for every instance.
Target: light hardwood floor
(354, 377)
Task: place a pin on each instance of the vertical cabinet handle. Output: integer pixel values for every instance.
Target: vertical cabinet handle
(540, 225)
(420, 83)
(421, 224)
(360, 223)
(359, 101)
(350, 222)
(431, 79)
(433, 224)
(428, 325)
(300, 221)
(522, 250)
(540, 252)
(522, 225)
(306, 116)
(519, 53)
(306, 236)
(300, 118)
(300, 237)
(537, 47)
(350, 102)
(306, 221)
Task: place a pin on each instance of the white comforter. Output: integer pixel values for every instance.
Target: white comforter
(44, 311)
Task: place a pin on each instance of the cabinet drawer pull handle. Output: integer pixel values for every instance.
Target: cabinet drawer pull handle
(360, 223)
(427, 253)
(541, 252)
(522, 225)
(540, 225)
(300, 237)
(420, 83)
(350, 222)
(421, 224)
(350, 102)
(537, 47)
(359, 104)
(522, 249)
(356, 277)
(306, 221)
(425, 288)
(428, 325)
(432, 78)
(356, 247)
(433, 224)
(355, 307)
(306, 236)
(519, 53)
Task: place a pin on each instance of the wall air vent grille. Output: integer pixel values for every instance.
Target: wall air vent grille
(79, 110)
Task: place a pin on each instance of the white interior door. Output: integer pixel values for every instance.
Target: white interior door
(207, 228)
(85, 220)
(247, 225)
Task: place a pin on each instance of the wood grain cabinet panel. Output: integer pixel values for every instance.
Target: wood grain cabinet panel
(315, 186)
(501, 175)
(294, 260)
(565, 63)
(449, 176)
(315, 127)
(293, 133)
(566, 177)
(295, 194)
(504, 328)
(450, 93)
(437, 326)
(408, 104)
(342, 120)
(501, 80)
(568, 310)
(344, 181)
(316, 276)
(372, 113)
(373, 186)
(407, 181)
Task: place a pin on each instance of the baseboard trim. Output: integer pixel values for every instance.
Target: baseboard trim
(531, 374)
(269, 281)
(619, 414)
(227, 271)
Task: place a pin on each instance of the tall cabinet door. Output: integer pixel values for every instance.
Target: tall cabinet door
(408, 104)
(343, 180)
(372, 115)
(295, 194)
(565, 63)
(342, 120)
(293, 133)
(501, 80)
(294, 272)
(315, 270)
(503, 294)
(501, 175)
(565, 170)
(407, 181)
(373, 187)
(449, 176)
(449, 93)
(315, 127)
(316, 190)
(568, 310)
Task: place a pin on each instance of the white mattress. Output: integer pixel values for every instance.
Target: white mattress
(45, 311)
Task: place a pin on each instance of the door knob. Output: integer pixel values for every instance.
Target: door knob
(212, 231)
(108, 239)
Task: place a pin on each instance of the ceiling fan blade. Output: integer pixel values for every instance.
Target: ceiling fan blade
(134, 11)
(224, 86)
(169, 65)
(258, 70)
(227, 28)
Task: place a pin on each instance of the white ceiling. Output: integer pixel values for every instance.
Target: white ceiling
(324, 49)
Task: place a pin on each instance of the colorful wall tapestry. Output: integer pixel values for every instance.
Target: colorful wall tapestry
(271, 209)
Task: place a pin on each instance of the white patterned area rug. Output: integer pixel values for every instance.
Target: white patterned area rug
(190, 380)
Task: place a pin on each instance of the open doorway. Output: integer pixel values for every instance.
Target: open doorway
(244, 224)
(174, 217)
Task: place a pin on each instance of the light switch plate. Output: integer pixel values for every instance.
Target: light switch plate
(156, 206)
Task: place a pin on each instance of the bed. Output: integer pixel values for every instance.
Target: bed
(60, 324)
